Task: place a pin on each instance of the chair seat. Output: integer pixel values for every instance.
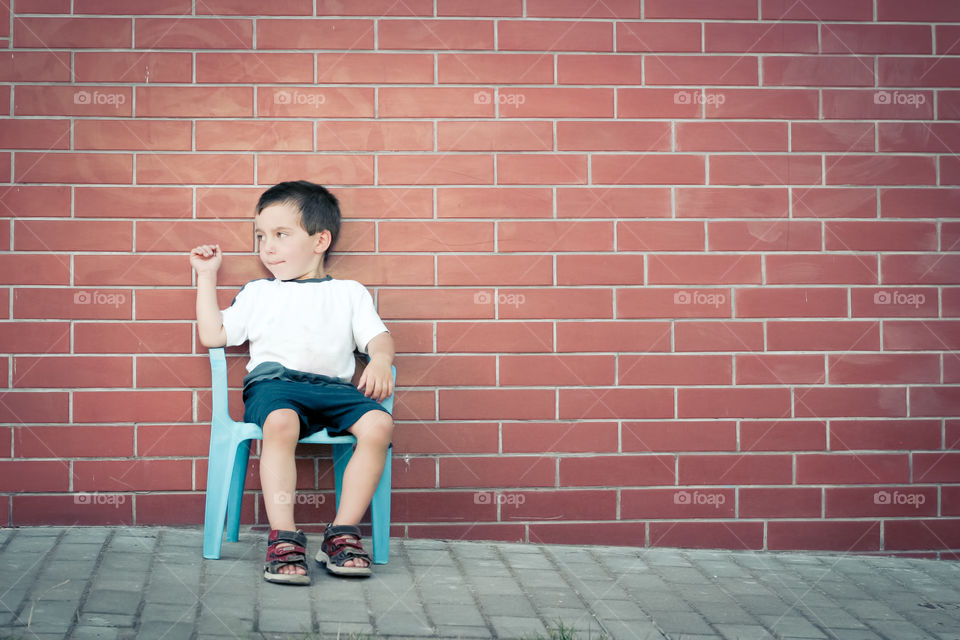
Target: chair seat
(227, 469)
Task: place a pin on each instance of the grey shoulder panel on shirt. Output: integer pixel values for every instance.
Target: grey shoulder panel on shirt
(244, 287)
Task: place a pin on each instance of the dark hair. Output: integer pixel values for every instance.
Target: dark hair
(319, 209)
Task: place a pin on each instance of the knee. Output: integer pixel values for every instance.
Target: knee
(378, 430)
(282, 425)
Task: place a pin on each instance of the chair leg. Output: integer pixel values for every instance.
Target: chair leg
(221, 461)
(380, 513)
(238, 478)
(341, 456)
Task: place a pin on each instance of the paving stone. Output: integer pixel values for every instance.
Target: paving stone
(792, 626)
(82, 632)
(680, 622)
(285, 620)
(743, 632)
(455, 614)
(458, 632)
(513, 627)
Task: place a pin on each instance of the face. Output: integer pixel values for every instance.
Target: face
(286, 249)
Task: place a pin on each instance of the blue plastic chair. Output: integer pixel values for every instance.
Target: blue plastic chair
(227, 470)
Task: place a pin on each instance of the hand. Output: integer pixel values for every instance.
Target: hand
(377, 380)
(206, 258)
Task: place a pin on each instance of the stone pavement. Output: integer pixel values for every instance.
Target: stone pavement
(150, 582)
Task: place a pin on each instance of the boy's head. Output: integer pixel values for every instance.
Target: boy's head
(297, 223)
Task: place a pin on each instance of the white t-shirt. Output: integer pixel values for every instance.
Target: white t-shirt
(309, 325)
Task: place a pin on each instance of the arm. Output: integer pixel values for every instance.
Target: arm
(377, 379)
(206, 259)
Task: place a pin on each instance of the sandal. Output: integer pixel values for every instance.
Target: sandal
(286, 548)
(341, 543)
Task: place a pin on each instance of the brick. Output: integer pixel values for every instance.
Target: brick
(701, 10)
(765, 169)
(938, 467)
(918, 203)
(948, 105)
(260, 136)
(167, 7)
(947, 38)
(41, 134)
(435, 34)
(617, 403)
(126, 475)
(917, 72)
(40, 100)
(605, 533)
(493, 136)
(161, 509)
(72, 235)
(613, 136)
(780, 37)
(713, 336)
(374, 136)
(869, 401)
(832, 136)
(660, 235)
(74, 441)
(820, 269)
(701, 70)
(68, 372)
(326, 169)
(74, 168)
(493, 404)
(556, 370)
(23, 407)
(612, 336)
(541, 169)
(918, 269)
(834, 202)
(439, 169)
(923, 11)
(559, 437)
(501, 471)
(764, 235)
(72, 33)
(374, 68)
(782, 435)
(35, 337)
(133, 135)
(494, 68)
(71, 510)
(193, 33)
(494, 270)
(707, 535)
(823, 535)
(126, 202)
(34, 475)
(494, 337)
(893, 303)
(767, 103)
(440, 369)
(658, 103)
(128, 406)
(252, 8)
(246, 68)
(790, 302)
(436, 236)
(703, 269)
(566, 505)
(890, 368)
(132, 337)
(884, 434)
(27, 201)
(675, 436)
(615, 69)
(415, 473)
(380, 202)
(932, 401)
(820, 10)
(648, 169)
(877, 39)
(735, 469)
(937, 137)
(179, 235)
(732, 202)
(617, 470)
(553, 236)
(494, 8)
(195, 102)
(675, 369)
(746, 403)
(544, 102)
(419, 506)
(949, 171)
(159, 371)
(130, 66)
(555, 303)
(35, 66)
(35, 268)
(939, 533)
(447, 437)
(599, 269)
(314, 34)
(435, 303)
(658, 37)
(498, 203)
(878, 105)
(819, 71)
(669, 303)
(554, 35)
(778, 368)
(780, 502)
(376, 270)
(847, 336)
(730, 136)
(857, 468)
(172, 440)
(194, 168)
(315, 102)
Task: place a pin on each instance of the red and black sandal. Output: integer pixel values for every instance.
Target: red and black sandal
(286, 548)
(341, 543)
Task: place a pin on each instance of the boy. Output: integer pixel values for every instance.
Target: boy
(303, 327)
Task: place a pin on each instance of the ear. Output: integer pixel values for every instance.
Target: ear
(322, 241)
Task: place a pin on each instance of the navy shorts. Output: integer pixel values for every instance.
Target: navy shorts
(320, 401)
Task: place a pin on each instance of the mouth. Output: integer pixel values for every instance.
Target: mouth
(273, 264)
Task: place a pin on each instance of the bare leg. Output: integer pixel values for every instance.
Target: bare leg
(278, 472)
(374, 431)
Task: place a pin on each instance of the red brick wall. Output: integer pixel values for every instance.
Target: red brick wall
(660, 273)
